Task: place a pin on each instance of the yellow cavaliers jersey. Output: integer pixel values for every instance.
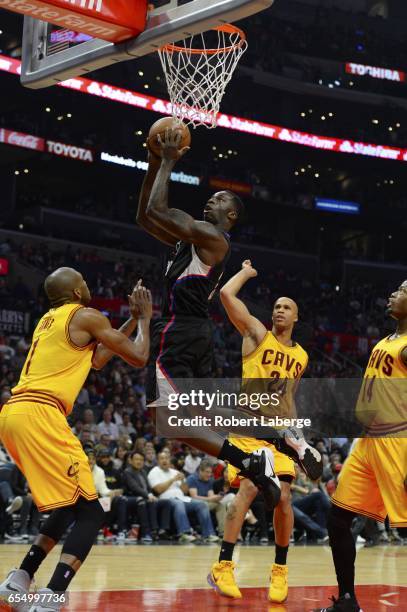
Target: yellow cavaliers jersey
(55, 369)
(274, 368)
(382, 402)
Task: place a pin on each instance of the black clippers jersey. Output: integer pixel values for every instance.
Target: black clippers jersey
(189, 283)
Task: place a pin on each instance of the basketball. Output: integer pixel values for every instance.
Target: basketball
(159, 127)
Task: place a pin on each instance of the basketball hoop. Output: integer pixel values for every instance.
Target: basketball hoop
(197, 74)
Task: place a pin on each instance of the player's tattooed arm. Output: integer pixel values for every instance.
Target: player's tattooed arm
(152, 228)
(102, 354)
(175, 221)
(252, 330)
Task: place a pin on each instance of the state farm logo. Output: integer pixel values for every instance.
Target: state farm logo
(71, 151)
(91, 5)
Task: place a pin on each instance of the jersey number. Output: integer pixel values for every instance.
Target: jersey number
(368, 388)
(274, 384)
(33, 348)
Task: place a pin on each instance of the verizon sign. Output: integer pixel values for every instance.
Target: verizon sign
(375, 72)
(113, 20)
(19, 139)
(66, 150)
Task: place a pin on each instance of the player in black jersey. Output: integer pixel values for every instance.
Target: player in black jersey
(182, 338)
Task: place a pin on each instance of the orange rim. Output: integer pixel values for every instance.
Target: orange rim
(227, 27)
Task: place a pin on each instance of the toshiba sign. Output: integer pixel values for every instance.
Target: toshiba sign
(113, 20)
(387, 74)
(66, 150)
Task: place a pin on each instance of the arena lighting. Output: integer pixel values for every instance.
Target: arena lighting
(238, 124)
(339, 206)
(176, 177)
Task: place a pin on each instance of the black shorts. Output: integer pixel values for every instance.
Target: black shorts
(180, 348)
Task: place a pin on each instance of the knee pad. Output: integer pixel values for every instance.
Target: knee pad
(90, 511)
(57, 523)
(89, 517)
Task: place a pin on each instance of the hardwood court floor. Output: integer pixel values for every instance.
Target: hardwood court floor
(173, 578)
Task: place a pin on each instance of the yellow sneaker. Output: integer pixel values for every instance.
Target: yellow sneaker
(222, 579)
(278, 590)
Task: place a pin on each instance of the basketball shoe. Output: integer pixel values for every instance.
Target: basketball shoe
(278, 590)
(295, 446)
(17, 583)
(346, 603)
(259, 467)
(51, 606)
(222, 579)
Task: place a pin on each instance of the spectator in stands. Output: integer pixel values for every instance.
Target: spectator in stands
(119, 456)
(118, 408)
(114, 481)
(105, 442)
(86, 438)
(107, 427)
(126, 428)
(310, 507)
(150, 459)
(333, 482)
(88, 418)
(77, 428)
(83, 398)
(29, 514)
(178, 461)
(167, 483)
(153, 514)
(113, 476)
(100, 479)
(200, 486)
(192, 461)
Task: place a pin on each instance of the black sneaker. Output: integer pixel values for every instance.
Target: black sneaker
(346, 603)
(295, 446)
(260, 470)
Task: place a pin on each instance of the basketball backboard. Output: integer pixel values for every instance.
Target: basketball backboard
(52, 54)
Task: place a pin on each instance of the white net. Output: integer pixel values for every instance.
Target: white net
(197, 71)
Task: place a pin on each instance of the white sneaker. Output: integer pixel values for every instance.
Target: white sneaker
(15, 505)
(13, 537)
(46, 606)
(360, 540)
(295, 446)
(18, 582)
(212, 538)
(186, 537)
(121, 537)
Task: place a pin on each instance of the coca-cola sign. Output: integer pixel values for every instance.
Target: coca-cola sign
(19, 139)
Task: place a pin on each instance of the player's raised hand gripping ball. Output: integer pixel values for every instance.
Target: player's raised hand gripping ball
(169, 138)
(250, 271)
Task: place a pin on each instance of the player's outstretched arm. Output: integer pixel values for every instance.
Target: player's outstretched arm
(102, 354)
(174, 221)
(155, 230)
(237, 311)
(90, 323)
